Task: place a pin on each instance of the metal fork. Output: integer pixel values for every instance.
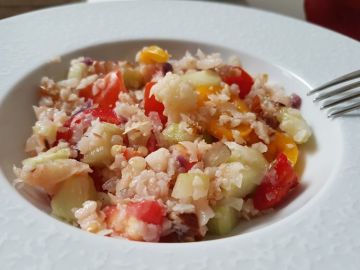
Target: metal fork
(343, 94)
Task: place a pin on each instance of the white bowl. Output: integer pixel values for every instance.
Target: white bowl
(313, 153)
(292, 231)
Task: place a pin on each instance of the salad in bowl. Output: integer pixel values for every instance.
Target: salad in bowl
(163, 149)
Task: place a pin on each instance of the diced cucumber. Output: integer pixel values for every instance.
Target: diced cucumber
(250, 179)
(204, 77)
(63, 153)
(240, 180)
(78, 70)
(183, 186)
(110, 129)
(225, 220)
(252, 173)
(247, 156)
(100, 153)
(48, 130)
(98, 157)
(236, 203)
(191, 185)
(133, 78)
(293, 124)
(71, 194)
(174, 133)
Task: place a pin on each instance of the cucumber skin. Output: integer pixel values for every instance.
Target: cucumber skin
(225, 220)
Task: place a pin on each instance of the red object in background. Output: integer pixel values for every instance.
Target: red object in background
(339, 15)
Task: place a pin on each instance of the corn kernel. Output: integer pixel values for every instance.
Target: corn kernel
(143, 151)
(116, 149)
(93, 227)
(138, 163)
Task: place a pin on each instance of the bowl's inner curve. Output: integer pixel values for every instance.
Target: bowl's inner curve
(317, 162)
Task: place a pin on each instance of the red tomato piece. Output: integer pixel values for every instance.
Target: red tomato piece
(110, 212)
(87, 92)
(276, 184)
(147, 211)
(237, 75)
(256, 105)
(64, 135)
(188, 166)
(152, 105)
(104, 114)
(108, 92)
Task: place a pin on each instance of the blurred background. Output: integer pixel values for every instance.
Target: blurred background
(342, 16)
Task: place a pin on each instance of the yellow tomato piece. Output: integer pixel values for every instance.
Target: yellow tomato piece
(252, 138)
(244, 129)
(153, 54)
(281, 142)
(225, 132)
(219, 131)
(241, 105)
(205, 90)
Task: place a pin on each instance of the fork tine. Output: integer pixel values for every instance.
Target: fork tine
(341, 79)
(337, 91)
(338, 101)
(344, 110)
